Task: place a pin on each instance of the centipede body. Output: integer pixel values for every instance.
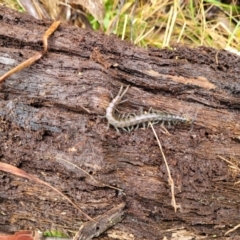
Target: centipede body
(127, 122)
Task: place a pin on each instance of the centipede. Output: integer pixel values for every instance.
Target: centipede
(131, 121)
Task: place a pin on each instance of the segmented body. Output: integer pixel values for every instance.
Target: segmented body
(129, 121)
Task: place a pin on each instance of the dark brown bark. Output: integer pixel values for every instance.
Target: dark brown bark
(51, 113)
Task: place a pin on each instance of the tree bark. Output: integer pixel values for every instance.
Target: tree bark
(51, 118)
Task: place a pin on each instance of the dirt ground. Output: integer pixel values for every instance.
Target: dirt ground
(51, 118)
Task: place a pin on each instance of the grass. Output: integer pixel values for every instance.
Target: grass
(164, 23)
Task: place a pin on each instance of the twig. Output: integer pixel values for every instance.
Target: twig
(99, 183)
(19, 172)
(170, 180)
(36, 56)
(231, 230)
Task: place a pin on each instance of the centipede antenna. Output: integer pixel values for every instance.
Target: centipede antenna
(111, 95)
(120, 91)
(125, 91)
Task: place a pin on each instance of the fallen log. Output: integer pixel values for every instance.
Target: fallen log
(51, 122)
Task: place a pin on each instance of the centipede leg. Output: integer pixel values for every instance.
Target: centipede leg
(125, 100)
(150, 110)
(116, 129)
(191, 124)
(121, 116)
(130, 128)
(137, 126)
(128, 115)
(188, 121)
(164, 130)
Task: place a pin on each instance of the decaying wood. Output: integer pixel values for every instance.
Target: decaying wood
(51, 119)
(89, 229)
